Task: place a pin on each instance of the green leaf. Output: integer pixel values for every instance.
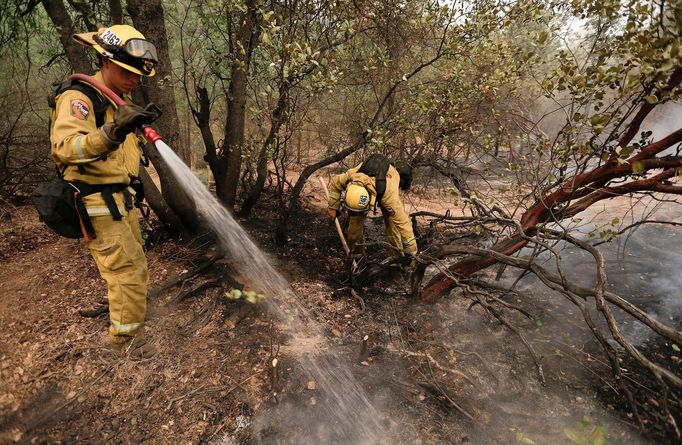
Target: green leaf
(666, 66)
(637, 167)
(676, 348)
(234, 294)
(674, 50)
(597, 436)
(522, 438)
(574, 435)
(542, 37)
(598, 121)
(583, 434)
(651, 99)
(624, 152)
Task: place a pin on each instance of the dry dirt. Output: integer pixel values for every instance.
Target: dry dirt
(445, 373)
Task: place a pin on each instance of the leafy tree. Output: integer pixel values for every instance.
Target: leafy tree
(627, 65)
(229, 32)
(27, 60)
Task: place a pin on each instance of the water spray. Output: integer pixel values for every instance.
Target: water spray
(351, 417)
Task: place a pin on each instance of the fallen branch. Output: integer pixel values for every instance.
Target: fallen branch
(438, 390)
(441, 367)
(94, 313)
(512, 328)
(155, 292)
(185, 294)
(359, 299)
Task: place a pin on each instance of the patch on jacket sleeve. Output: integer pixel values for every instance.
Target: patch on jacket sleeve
(79, 109)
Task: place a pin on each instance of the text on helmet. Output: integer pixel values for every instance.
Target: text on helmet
(110, 38)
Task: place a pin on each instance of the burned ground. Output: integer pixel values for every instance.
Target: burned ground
(443, 373)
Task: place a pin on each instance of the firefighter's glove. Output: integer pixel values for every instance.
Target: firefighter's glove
(409, 267)
(126, 119)
(332, 213)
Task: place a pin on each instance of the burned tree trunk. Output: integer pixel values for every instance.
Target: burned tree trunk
(149, 19)
(278, 117)
(160, 207)
(229, 164)
(75, 54)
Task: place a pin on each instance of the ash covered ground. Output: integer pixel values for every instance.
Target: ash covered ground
(442, 373)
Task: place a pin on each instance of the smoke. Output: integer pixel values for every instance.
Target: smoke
(663, 120)
(642, 264)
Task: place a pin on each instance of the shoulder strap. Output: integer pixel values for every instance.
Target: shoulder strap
(99, 103)
(376, 166)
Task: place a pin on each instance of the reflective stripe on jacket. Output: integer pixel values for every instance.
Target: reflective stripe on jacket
(76, 141)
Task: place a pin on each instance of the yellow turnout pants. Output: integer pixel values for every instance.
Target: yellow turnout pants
(121, 261)
(356, 234)
(356, 227)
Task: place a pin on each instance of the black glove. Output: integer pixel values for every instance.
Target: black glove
(126, 119)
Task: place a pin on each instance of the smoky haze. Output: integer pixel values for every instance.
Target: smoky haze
(643, 266)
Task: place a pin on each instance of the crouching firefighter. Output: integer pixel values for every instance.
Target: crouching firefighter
(363, 188)
(97, 151)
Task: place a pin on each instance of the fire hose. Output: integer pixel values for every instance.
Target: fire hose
(148, 131)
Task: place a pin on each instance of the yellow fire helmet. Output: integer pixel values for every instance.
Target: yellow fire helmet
(356, 199)
(123, 45)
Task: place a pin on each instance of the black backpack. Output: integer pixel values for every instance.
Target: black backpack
(99, 103)
(376, 166)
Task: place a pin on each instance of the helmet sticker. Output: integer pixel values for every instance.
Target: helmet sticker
(363, 200)
(110, 38)
(79, 109)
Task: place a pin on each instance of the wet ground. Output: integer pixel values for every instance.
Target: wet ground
(444, 373)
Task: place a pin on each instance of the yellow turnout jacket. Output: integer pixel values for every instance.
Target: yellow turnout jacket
(76, 141)
(397, 220)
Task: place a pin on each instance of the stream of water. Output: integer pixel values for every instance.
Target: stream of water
(349, 415)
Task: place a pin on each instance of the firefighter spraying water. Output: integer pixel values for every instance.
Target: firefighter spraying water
(352, 418)
(98, 160)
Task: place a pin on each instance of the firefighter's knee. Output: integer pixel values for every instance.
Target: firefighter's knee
(122, 263)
